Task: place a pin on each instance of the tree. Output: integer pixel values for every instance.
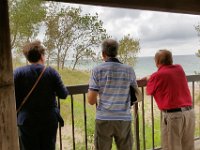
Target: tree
(72, 33)
(50, 36)
(25, 19)
(128, 49)
(197, 28)
(92, 34)
(58, 36)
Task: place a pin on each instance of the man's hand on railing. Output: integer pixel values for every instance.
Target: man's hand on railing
(143, 81)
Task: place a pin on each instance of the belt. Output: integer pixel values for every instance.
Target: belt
(177, 109)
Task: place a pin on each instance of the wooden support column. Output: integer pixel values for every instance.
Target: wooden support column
(8, 125)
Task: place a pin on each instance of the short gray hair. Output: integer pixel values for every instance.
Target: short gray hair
(110, 47)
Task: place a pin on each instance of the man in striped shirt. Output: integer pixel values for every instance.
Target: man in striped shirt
(111, 81)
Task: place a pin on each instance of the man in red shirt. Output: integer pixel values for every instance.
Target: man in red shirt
(171, 92)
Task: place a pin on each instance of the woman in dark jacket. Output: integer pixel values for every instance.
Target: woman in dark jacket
(38, 117)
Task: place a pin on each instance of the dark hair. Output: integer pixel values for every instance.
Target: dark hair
(33, 51)
(110, 47)
(164, 57)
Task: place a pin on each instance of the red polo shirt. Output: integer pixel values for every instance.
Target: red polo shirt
(169, 87)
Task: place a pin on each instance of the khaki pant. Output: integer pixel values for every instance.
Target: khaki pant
(105, 130)
(178, 130)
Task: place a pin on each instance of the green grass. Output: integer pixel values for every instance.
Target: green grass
(71, 77)
(76, 78)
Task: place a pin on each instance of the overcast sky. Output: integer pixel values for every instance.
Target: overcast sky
(155, 30)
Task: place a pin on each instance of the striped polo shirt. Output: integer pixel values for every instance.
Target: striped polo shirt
(112, 80)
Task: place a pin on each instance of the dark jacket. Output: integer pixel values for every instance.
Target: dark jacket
(42, 102)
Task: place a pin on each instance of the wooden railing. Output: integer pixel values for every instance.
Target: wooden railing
(146, 116)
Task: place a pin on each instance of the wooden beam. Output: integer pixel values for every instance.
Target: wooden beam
(8, 125)
(179, 6)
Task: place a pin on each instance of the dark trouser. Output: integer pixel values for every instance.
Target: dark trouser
(105, 130)
(40, 135)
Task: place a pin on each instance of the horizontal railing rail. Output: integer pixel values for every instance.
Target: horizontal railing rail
(139, 115)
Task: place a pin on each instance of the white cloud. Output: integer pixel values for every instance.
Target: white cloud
(156, 30)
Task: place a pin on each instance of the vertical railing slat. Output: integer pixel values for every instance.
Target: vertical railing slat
(199, 112)
(152, 119)
(72, 109)
(136, 125)
(193, 94)
(85, 121)
(59, 127)
(143, 120)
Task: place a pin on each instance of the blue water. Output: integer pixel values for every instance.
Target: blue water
(146, 66)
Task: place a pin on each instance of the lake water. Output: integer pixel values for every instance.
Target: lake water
(146, 66)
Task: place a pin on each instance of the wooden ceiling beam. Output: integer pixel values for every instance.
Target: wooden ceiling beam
(178, 6)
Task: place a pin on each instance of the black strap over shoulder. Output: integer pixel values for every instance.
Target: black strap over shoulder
(27, 96)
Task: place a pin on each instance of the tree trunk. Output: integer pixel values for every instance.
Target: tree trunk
(75, 63)
(48, 60)
(58, 61)
(63, 64)
(8, 125)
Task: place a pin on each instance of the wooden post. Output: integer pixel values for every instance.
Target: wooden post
(8, 125)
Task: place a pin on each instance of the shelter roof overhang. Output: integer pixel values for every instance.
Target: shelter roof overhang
(178, 6)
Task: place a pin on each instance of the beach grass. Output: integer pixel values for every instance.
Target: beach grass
(75, 77)
(70, 78)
